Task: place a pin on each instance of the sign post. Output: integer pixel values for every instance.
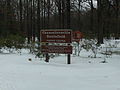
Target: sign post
(47, 55)
(68, 58)
(56, 36)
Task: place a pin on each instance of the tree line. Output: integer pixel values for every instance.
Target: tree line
(94, 18)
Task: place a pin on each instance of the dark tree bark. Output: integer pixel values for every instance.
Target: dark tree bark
(92, 9)
(21, 7)
(34, 22)
(28, 21)
(63, 14)
(59, 13)
(79, 15)
(48, 13)
(68, 13)
(100, 22)
(68, 25)
(38, 20)
(117, 18)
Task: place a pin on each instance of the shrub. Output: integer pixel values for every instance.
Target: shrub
(11, 42)
(1, 43)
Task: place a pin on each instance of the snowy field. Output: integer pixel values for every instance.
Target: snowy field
(85, 73)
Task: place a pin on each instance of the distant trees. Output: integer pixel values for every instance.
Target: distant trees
(28, 17)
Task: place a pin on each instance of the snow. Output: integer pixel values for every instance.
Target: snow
(85, 73)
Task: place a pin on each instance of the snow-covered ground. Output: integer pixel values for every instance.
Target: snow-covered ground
(17, 73)
(84, 72)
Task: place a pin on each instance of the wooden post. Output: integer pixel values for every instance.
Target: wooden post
(47, 56)
(68, 58)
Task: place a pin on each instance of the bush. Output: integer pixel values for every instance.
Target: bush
(1, 43)
(11, 42)
(90, 44)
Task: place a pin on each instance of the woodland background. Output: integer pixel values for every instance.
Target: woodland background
(94, 18)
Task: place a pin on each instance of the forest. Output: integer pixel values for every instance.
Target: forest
(25, 18)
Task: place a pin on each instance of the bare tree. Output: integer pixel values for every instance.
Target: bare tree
(100, 22)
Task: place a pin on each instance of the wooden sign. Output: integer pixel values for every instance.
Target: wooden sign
(56, 49)
(77, 35)
(56, 36)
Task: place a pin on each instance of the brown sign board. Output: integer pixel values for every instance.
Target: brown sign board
(56, 49)
(56, 36)
(77, 35)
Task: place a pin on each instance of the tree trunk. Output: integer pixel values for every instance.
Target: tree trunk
(68, 26)
(100, 22)
(38, 20)
(21, 9)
